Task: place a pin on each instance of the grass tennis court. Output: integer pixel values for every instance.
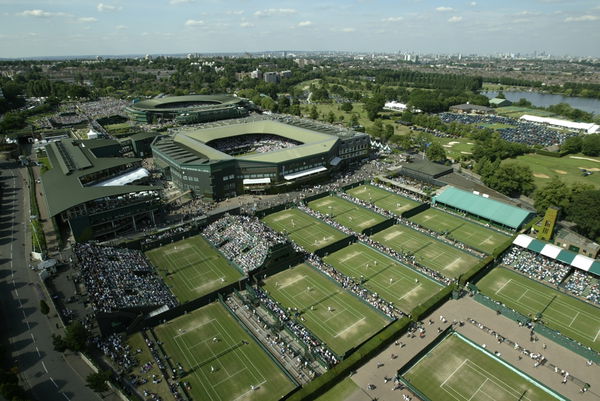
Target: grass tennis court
(225, 369)
(458, 371)
(385, 276)
(384, 199)
(441, 257)
(308, 232)
(469, 233)
(192, 268)
(346, 213)
(570, 316)
(334, 315)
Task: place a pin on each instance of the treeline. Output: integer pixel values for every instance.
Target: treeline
(582, 89)
(416, 79)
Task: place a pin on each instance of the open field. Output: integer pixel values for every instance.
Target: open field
(335, 316)
(346, 213)
(570, 316)
(305, 230)
(192, 268)
(469, 233)
(393, 281)
(441, 257)
(456, 147)
(384, 199)
(221, 361)
(457, 371)
(566, 168)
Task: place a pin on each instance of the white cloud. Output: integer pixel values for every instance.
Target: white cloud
(392, 19)
(42, 14)
(444, 9)
(304, 23)
(527, 13)
(247, 24)
(473, 3)
(234, 12)
(269, 12)
(345, 30)
(194, 22)
(120, 27)
(107, 7)
(87, 19)
(582, 18)
(455, 18)
(175, 2)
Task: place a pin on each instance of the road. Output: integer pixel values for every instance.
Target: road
(47, 374)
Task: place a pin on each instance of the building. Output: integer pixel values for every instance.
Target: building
(482, 207)
(545, 227)
(499, 102)
(188, 109)
(569, 239)
(256, 154)
(271, 77)
(586, 128)
(471, 109)
(94, 192)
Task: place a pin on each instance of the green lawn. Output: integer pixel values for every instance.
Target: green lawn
(455, 370)
(393, 281)
(566, 168)
(386, 200)
(192, 268)
(308, 232)
(570, 316)
(517, 112)
(221, 360)
(346, 213)
(469, 233)
(443, 258)
(456, 147)
(335, 316)
(342, 391)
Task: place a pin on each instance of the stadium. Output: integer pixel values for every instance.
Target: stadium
(188, 109)
(255, 154)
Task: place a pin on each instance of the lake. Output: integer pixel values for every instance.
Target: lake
(546, 99)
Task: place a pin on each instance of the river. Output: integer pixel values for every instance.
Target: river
(546, 99)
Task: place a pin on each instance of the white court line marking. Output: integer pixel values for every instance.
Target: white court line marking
(38, 352)
(348, 328)
(504, 285)
(194, 328)
(408, 293)
(523, 294)
(66, 396)
(452, 374)
(294, 281)
(597, 334)
(574, 317)
(44, 366)
(17, 292)
(478, 388)
(53, 382)
(259, 384)
(32, 337)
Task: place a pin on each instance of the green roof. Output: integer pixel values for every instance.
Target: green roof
(204, 101)
(312, 142)
(64, 190)
(496, 211)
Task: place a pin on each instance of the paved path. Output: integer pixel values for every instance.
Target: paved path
(47, 374)
(469, 308)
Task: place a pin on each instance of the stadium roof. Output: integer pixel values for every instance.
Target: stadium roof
(581, 262)
(590, 128)
(64, 190)
(493, 210)
(204, 101)
(312, 142)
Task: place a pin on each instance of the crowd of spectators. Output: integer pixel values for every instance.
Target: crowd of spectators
(582, 284)
(535, 265)
(119, 279)
(254, 143)
(313, 344)
(518, 131)
(117, 349)
(244, 240)
(409, 188)
(103, 107)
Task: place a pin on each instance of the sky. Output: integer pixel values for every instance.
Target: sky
(113, 27)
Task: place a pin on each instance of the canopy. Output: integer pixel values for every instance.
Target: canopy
(124, 179)
(253, 181)
(304, 173)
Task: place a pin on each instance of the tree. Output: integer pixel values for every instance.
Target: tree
(388, 132)
(314, 113)
(59, 343)
(353, 121)
(572, 145)
(554, 193)
(373, 106)
(511, 179)
(584, 211)
(331, 117)
(376, 130)
(591, 145)
(435, 152)
(44, 308)
(76, 336)
(97, 381)
(347, 107)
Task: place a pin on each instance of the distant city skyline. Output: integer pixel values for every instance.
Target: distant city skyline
(45, 28)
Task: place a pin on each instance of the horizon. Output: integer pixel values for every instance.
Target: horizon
(42, 29)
